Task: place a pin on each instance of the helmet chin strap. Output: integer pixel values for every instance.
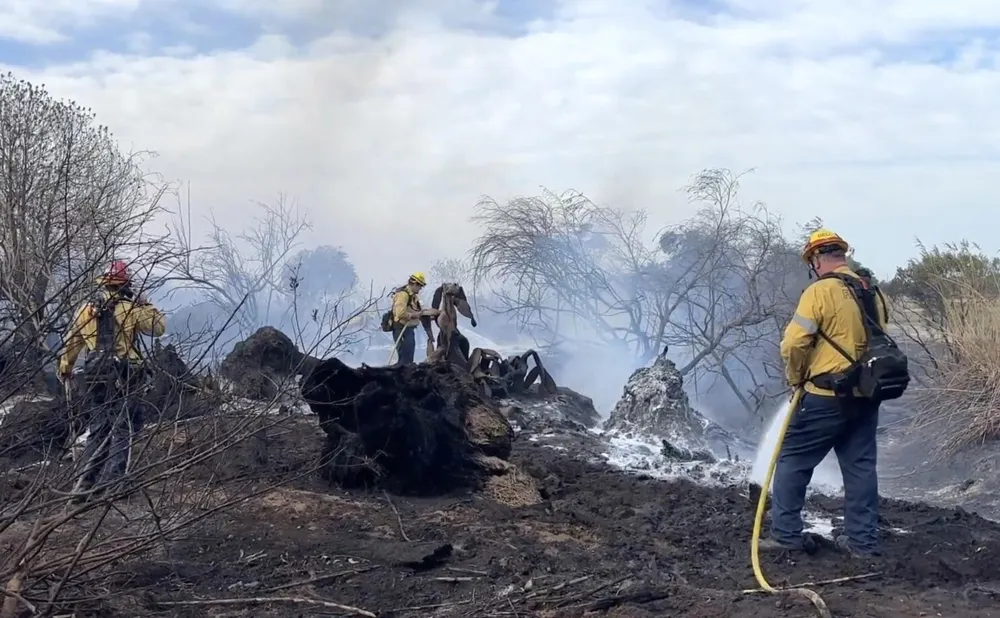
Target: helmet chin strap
(812, 270)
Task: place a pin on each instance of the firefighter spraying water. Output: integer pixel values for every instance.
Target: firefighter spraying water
(842, 365)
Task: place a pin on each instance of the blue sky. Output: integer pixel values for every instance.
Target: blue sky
(144, 31)
(879, 117)
(207, 27)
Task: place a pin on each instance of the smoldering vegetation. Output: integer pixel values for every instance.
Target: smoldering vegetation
(276, 470)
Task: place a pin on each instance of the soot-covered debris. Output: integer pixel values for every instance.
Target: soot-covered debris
(260, 365)
(417, 429)
(654, 404)
(566, 409)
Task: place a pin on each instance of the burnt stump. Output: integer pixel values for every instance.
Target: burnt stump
(33, 429)
(262, 364)
(420, 429)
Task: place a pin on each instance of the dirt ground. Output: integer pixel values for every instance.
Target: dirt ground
(600, 543)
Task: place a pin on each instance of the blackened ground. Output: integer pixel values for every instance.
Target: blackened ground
(603, 543)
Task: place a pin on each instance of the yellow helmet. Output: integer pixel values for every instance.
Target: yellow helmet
(823, 240)
(418, 278)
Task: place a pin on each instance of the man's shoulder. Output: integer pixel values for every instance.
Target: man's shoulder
(822, 285)
(828, 290)
(130, 305)
(838, 279)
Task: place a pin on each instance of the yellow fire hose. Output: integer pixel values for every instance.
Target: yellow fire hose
(395, 346)
(816, 600)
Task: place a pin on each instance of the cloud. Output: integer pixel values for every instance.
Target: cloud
(389, 119)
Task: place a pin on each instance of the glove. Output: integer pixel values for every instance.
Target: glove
(473, 322)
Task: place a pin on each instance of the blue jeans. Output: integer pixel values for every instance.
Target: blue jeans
(114, 418)
(819, 424)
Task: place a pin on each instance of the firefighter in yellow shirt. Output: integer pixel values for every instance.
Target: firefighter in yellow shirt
(406, 313)
(106, 328)
(836, 348)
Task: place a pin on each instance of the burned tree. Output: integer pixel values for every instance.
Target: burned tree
(417, 429)
(740, 294)
(451, 301)
(242, 275)
(561, 263)
(500, 377)
(716, 287)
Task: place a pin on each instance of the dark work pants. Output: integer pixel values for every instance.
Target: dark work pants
(115, 417)
(821, 424)
(407, 345)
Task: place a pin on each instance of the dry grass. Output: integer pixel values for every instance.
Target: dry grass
(963, 403)
(514, 489)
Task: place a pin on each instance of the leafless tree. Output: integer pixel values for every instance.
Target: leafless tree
(741, 294)
(71, 201)
(246, 270)
(452, 270)
(337, 325)
(553, 262)
(719, 286)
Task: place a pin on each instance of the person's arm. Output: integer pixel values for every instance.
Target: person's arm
(800, 336)
(74, 341)
(148, 319)
(400, 307)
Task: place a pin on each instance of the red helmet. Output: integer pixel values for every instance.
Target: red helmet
(117, 274)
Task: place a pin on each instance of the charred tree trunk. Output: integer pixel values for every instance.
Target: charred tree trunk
(421, 429)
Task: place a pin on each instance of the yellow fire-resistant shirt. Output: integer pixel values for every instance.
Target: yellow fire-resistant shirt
(132, 319)
(403, 301)
(826, 305)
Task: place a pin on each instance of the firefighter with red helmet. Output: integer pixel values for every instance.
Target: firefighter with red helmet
(107, 328)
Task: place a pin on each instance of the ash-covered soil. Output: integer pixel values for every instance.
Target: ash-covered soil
(600, 543)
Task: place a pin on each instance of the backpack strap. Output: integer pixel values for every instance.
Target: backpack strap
(108, 327)
(412, 301)
(107, 324)
(396, 290)
(865, 298)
